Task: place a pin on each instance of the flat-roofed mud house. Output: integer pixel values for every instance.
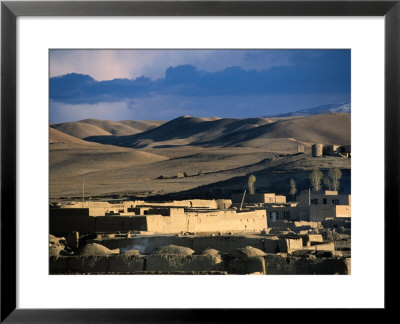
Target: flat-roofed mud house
(263, 198)
(313, 206)
(175, 220)
(337, 150)
(323, 197)
(158, 219)
(260, 211)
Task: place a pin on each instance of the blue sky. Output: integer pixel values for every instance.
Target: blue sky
(165, 84)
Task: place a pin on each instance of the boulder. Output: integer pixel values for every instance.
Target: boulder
(56, 240)
(55, 250)
(96, 249)
(173, 249)
(210, 251)
(248, 252)
(131, 252)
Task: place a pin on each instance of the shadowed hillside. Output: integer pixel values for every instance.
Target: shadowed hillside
(272, 175)
(253, 132)
(326, 129)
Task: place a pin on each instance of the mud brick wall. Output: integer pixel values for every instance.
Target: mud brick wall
(270, 264)
(131, 263)
(222, 243)
(285, 264)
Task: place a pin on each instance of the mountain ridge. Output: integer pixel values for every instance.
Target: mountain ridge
(229, 132)
(322, 109)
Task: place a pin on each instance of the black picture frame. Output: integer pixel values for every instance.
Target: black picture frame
(10, 10)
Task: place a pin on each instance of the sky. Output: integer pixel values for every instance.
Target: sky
(166, 84)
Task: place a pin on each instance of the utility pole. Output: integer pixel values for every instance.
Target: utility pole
(241, 205)
(309, 196)
(83, 192)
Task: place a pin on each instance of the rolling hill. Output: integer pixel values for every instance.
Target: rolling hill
(253, 132)
(96, 127)
(215, 155)
(71, 156)
(182, 131)
(57, 137)
(326, 129)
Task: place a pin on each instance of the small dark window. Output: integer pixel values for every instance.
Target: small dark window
(314, 201)
(324, 201)
(335, 201)
(286, 214)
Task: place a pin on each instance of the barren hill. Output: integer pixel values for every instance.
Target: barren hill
(184, 130)
(326, 129)
(59, 138)
(80, 130)
(121, 128)
(71, 156)
(193, 157)
(272, 134)
(96, 127)
(142, 125)
(71, 162)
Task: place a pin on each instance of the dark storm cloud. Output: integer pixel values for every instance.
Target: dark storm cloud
(325, 73)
